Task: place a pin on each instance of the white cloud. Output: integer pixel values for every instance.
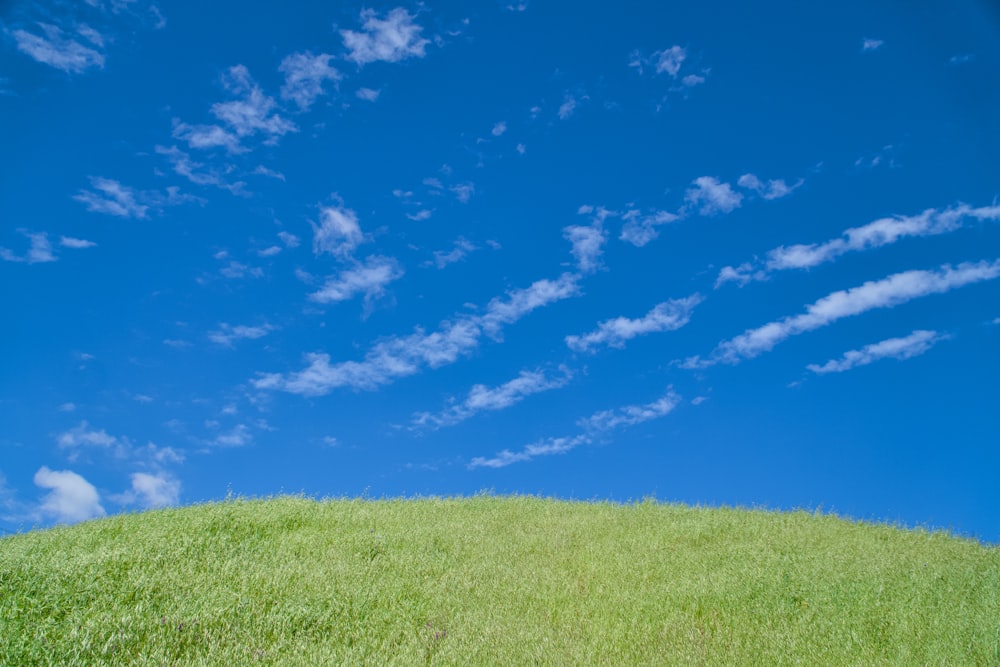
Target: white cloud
(204, 137)
(600, 422)
(402, 356)
(338, 232)
(71, 498)
(961, 59)
(773, 189)
(368, 94)
(499, 129)
(61, 50)
(546, 447)
(463, 191)
(521, 149)
(269, 251)
(39, 249)
(83, 435)
(630, 415)
(711, 196)
(252, 112)
(587, 242)
(889, 292)
(482, 398)
(70, 242)
(67, 407)
(226, 334)
(878, 233)
(305, 75)
(237, 270)
(869, 44)
(113, 198)
(881, 232)
(369, 277)
(191, 170)
(520, 302)
(159, 490)
(666, 316)
(290, 240)
(567, 108)
(640, 229)
(422, 214)
(670, 60)
(915, 344)
(391, 39)
(461, 250)
(239, 436)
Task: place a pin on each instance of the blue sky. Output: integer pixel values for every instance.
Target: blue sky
(710, 252)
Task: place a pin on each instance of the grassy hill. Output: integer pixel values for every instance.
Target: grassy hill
(493, 581)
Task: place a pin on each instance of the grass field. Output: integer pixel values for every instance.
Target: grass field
(493, 581)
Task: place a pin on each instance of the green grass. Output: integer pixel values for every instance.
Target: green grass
(493, 581)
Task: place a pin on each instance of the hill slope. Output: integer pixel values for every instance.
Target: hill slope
(493, 580)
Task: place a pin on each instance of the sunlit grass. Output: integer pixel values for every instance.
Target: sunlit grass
(493, 581)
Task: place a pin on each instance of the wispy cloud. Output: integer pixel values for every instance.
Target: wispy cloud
(369, 278)
(666, 316)
(367, 94)
(252, 112)
(599, 423)
(391, 39)
(962, 59)
(772, 189)
(567, 108)
(71, 53)
(227, 334)
(338, 232)
(113, 198)
(588, 240)
(870, 44)
(71, 498)
(204, 137)
(305, 76)
(402, 356)
(630, 415)
(499, 129)
(710, 196)
(458, 253)
(39, 249)
(76, 244)
(482, 398)
(907, 347)
(878, 233)
(889, 292)
(639, 229)
(239, 436)
(198, 173)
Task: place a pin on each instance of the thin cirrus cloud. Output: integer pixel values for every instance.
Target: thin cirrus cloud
(889, 292)
(878, 233)
(458, 253)
(227, 334)
(597, 424)
(401, 356)
(39, 250)
(905, 347)
(113, 198)
(68, 52)
(369, 278)
(482, 398)
(666, 316)
(390, 39)
(305, 76)
(338, 232)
